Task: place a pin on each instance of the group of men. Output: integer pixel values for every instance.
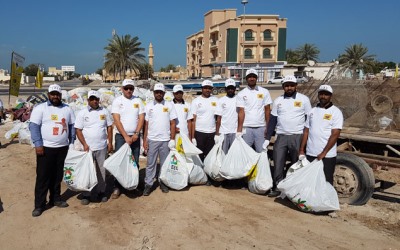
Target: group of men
(300, 130)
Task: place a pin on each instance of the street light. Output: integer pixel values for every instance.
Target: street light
(244, 2)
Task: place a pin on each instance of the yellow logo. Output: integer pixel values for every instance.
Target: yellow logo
(327, 117)
(136, 105)
(297, 104)
(185, 110)
(260, 96)
(54, 117)
(165, 109)
(102, 117)
(213, 104)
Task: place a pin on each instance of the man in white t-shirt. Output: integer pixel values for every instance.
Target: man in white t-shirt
(322, 129)
(183, 121)
(159, 136)
(288, 116)
(52, 132)
(254, 111)
(227, 116)
(128, 114)
(204, 123)
(94, 130)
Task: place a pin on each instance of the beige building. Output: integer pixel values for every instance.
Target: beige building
(230, 44)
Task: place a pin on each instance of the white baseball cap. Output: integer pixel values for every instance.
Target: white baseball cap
(326, 88)
(251, 71)
(207, 83)
(177, 88)
(128, 82)
(289, 78)
(230, 82)
(93, 93)
(55, 87)
(159, 86)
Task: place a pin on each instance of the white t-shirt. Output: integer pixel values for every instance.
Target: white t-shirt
(320, 122)
(129, 111)
(226, 108)
(291, 113)
(158, 116)
(253, 101)
(204, 109)
(182, 111)
(54, 123)
(94, 123)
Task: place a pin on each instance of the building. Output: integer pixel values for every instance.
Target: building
(230, 44)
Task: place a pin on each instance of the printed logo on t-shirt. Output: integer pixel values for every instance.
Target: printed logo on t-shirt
(86, 118)
(213, 104)
(136, 105)
(54, 117)
(102, 117)
(165, 109)
(244, 98)
(297, 104)
(185, 110)
(224, 106)
(327, 117)
(260, 96)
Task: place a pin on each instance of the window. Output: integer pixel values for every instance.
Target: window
(267, 35)
(248, 35)
(267, 53)
(248, 54)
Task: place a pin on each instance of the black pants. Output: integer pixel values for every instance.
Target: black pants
(329, 167)
(49, 174)
(205, 142)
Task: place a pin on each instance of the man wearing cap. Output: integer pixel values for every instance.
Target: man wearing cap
(203, 123)
(94, 130)
(52, 130)
(128, 114)
(183, 121)
(322, 129)
(227, 116)
(159, 135)
(288, 116)
(254, 111)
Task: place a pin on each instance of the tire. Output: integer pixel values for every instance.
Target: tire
(221, 91)
(269, 82)
(215, 91)
(354, 180)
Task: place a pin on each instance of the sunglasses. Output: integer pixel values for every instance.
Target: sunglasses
(128, 88)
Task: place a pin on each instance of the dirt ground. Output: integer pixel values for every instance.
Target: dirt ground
(200, 217)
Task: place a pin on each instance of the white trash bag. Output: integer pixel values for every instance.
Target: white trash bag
(260, 180)
(185, 147)
(174, 173)
(239, 160)
(197, 175)
(213, 162)
(79, 171)
(299, 164)
(123, 167)
(308, 189)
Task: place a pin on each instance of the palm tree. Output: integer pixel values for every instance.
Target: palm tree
(123, 53)
(355, 57)
(307, 52)
(292, 56)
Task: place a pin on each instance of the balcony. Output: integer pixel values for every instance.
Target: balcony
(249, 57)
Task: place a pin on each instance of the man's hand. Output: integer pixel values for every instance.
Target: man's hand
(321, 156)
(171, 144)
(128, 139)
(194, 142)
(216, 139)
(39, 150)
(145, 145)
(301, 157)
(239, 134)
(134, 137)
(265, 144)
(86, 147)
(109, 147)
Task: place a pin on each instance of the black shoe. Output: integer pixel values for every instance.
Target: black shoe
(273, 193)
(37, 212)
(102, 197)
(61, 204)
(85, 200)
(164, 188)
(147, 190)
(208, 183)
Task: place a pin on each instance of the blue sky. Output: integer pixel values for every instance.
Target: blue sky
(73, 32)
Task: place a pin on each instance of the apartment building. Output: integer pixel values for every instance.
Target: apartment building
(230, 44)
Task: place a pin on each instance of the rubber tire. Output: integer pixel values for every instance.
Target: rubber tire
(222, 91)
(215, 91)
(269, 82)
(364, 175)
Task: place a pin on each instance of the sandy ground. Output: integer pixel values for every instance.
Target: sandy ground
(200, 217)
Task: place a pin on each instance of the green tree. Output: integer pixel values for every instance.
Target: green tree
(355, 57)
(123, 53)
(307, 52)
(31, 70)
(168, 68)
(146, 71)
(99, 71)
(292, 56)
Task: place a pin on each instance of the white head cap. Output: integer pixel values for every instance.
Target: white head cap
(230, 82)
(93, 93)
(55, 87)
(251, 71)
(159, 86)
(289, 78)
(326, 88)
(128, 82)
(207, 83)
(177, 88)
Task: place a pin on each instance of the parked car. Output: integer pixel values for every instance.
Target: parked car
(301, 79)
(277, 79)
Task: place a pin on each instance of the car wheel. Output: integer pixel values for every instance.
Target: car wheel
(269, 82)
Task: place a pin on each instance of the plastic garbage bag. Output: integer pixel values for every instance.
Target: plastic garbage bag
(260, 180)
(185, 147)
(197, 175)
(123, 167)
(174, 172)
(239, 160)
(299, 164)
(213, 162)
(308, 189)
(80, 171)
